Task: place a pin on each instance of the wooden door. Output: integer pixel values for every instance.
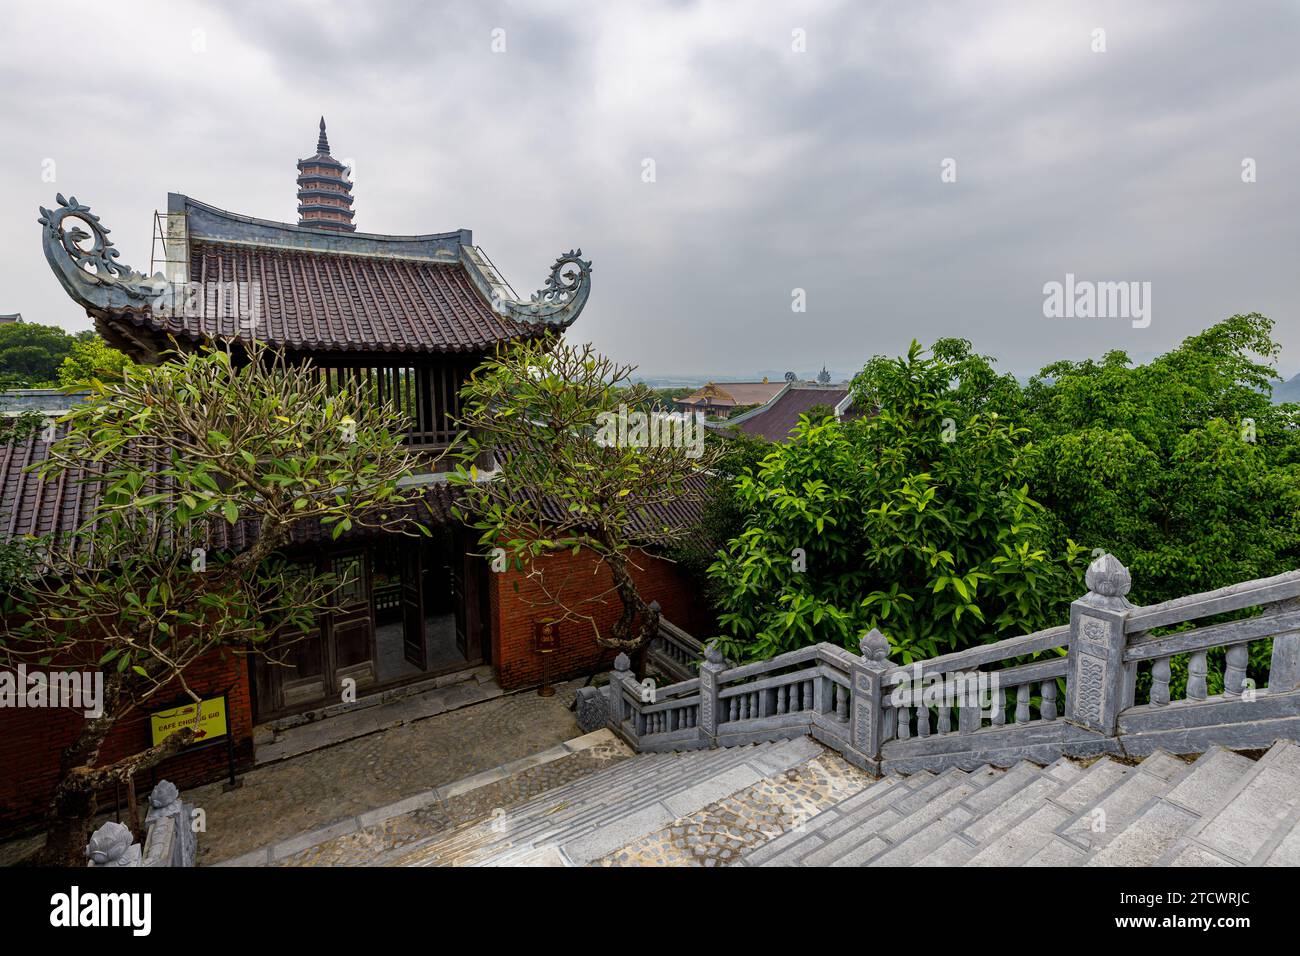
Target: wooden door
(457, 564)
(352, 629)
(414, 646)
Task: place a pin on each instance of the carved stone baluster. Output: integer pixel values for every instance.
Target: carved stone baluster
(1160, 681)
(1196, 671)
(945, 718)
(922, 719)
(733, 709)
(1047, 710)
(999, 707)
(1022, 704)
(782, 698)
(841, 702)
(904, 725)
(1234, 675)
(888, 721)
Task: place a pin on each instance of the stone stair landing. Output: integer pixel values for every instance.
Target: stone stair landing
(795, 803)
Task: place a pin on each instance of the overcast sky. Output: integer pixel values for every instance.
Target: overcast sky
(775, 168)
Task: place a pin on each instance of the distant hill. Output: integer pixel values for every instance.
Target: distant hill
(1288, 391)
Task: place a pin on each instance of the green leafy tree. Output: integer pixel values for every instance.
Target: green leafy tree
(30, 354)
(568, 478)
(917, 520)
(91, 358)
(1182, 467)
(144, 590)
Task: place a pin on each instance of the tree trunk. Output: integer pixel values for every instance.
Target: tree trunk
(68, 821)
(626, 635)
(72, 811)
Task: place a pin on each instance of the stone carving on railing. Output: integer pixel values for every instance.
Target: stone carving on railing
(169, 840)
(591, 709)
(1108, 584)
(113, 845)
(845, 701)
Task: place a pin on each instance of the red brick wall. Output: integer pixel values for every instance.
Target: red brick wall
(518, 601)
(31, 740)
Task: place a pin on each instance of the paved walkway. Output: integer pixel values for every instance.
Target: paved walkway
(282, 800)
(381, 836)
(303, 733)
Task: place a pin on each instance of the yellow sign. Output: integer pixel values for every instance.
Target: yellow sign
(211, 721)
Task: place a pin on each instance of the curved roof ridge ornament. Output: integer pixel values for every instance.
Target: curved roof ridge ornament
(557, 303)
(92, 275)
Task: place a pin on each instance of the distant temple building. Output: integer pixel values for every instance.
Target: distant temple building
(776, 419)
(11, 317)
(324, 190)
(721, 399)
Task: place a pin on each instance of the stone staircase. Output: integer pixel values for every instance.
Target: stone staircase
(797, 803)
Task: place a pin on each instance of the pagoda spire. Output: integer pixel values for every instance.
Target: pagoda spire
(324, 190)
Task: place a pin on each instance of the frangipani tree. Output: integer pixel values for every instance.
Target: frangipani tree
(204, 464)
(579, 468)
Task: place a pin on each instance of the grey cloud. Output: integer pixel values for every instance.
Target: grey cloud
(775, 169)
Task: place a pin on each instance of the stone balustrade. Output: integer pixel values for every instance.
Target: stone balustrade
(1068, 690)
(169, 838)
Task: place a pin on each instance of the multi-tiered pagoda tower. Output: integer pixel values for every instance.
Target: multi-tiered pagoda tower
(324, 191)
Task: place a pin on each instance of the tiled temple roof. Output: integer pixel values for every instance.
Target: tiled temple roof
(60, 506)
(301, 287)
(775, 420)
(329, 301)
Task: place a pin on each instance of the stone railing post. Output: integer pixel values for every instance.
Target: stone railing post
(1098, 684)
(710, 681)
(167, 809)
(1284, 669)
(618, 677)
(868, 692)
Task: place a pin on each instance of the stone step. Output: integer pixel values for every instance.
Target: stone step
(993, 820)
(777, 806)
(960, 846)
(833, 825)
(1168, 817)
(912, 843)
(858, 836)
(779, 850)
(593, 816)
(1254, 820)
(1097, 824)
(1021, 843)
(1022, 831)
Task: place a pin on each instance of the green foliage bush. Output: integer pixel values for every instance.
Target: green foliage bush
(967, 508)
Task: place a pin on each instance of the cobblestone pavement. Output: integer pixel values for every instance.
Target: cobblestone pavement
(303, 793)
(718, 834)
(373, 845)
